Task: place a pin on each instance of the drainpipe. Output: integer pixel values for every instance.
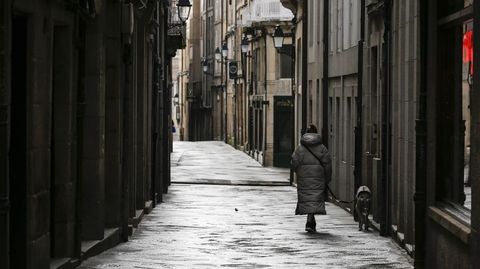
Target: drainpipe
(154, 128)
(226, 69)
(292, 85)
(384, 197)
(235, 107)
(222, 134)
(223, 87)
(359, 127)
(421, 143)
(326, 30)
(265, 102)
(127, 32)
(235, 128)
(304, 65)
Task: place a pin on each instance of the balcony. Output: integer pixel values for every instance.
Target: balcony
(176, 35)
(265, 11)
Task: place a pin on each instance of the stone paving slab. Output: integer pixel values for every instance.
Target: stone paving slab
(198, 227)
(203, 225)
(224, 164)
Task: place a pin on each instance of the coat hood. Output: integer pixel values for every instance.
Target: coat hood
(310, 139)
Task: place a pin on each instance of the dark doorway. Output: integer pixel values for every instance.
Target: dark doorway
(18, 149)
(282, 131)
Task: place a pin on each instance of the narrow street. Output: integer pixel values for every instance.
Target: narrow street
(150, 134)
(225, 210)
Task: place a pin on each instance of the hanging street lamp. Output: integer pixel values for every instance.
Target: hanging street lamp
(183, 7)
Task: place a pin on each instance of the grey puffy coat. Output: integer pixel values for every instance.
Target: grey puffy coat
(312, 176)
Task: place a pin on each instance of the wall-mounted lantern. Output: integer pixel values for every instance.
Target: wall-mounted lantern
(205, 66)
(278, 37)
(175, 99)
(218, 55)
(224, 50)
(244, 44)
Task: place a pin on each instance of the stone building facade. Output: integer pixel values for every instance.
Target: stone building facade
(381, 128)
(243, 109)
(84, 125)
(452, 226)
(196, 114)
(239, 111)
(327, 36)
(342, 83)
(390, 96)
(267, 103)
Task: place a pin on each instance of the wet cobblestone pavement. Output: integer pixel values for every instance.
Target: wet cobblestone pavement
(218, 163)
(235, 226)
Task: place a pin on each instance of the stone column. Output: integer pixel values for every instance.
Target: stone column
(157, 189)
(114, 116)
(93, 181)
(129, 128)
(148, 124)
(4, 130)
(140, 119)
(63, 177)
(38, 103)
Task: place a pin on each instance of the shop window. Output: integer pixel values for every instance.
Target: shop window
(453, 117)
(467, 84)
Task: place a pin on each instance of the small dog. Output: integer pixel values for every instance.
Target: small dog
(363, 206)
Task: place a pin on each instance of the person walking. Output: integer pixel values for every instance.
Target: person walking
(313, 166)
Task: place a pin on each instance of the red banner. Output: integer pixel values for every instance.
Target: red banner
(468, 49)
